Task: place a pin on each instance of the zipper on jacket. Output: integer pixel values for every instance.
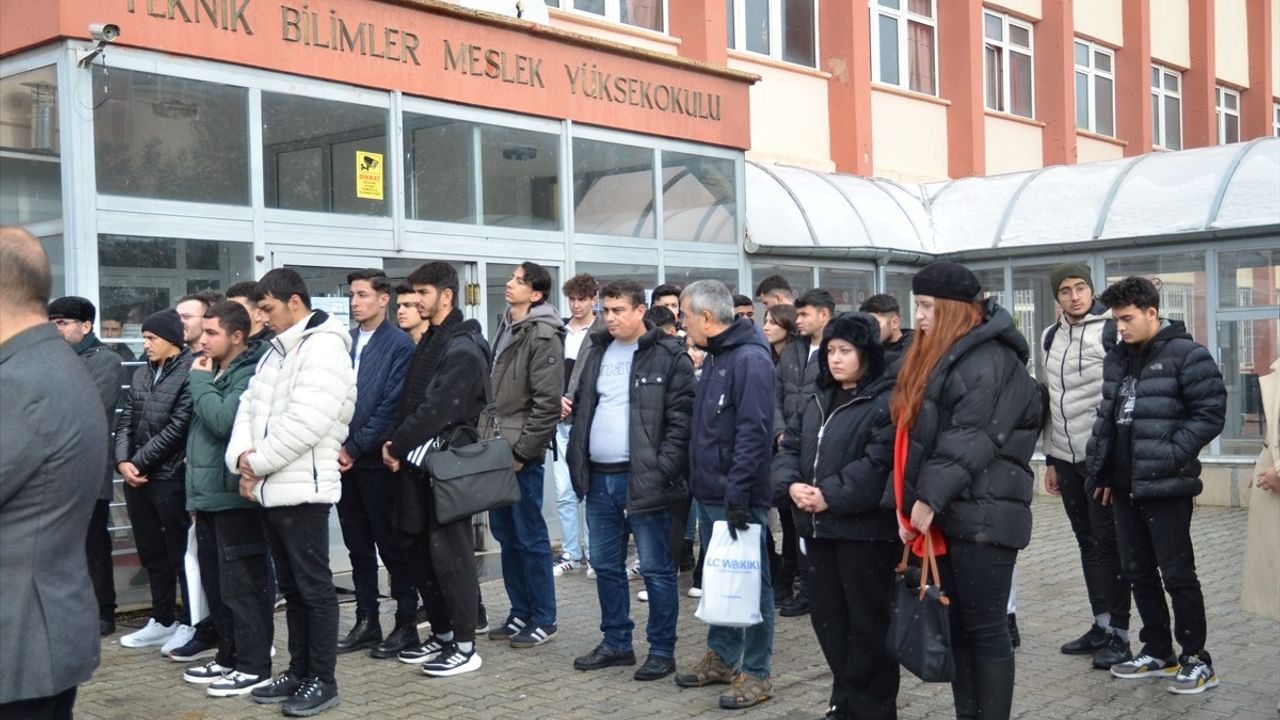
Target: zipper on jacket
(1062, 397)
(315, 475)
(817, 451)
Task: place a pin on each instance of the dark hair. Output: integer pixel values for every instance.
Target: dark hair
(882, 304)
(784, 316)
(538, 279)
(243, 289)
(231, 316)
(628, 290)
(25, 279)
(664, 290)
(772, 284)
(742, 300)
(659, 316)
(582, 285)
(204, 297)
(282, 284)
(376, 278)
(439, 275)
(1136, 291)
(403, 288)
(817, 299)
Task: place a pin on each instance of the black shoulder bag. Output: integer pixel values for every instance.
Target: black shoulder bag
(920, 631)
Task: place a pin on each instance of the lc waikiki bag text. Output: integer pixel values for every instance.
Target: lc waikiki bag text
(731, 578)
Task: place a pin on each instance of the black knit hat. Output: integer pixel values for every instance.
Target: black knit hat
(167, 326)
(949, 280)
(859, 330)
(72, 307)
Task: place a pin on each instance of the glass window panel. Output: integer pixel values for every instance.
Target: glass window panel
(728, 11)
(798, 32)
(170, 138)
(991, 281)
(328, 287)
(1181, 280)
(895, 4)
(1020, 80)
(699, 198)
(682, 276)
(496, 277)
(1019, 36)
(642, 13)
(1247, 349)
(888, 29)
(30, 164)
(612, 189)
(1082, 101)
(920, 48)
(1172, 123)
(1155, 78)
(592, 6)
(756, 26)
(1231, 129)
(898, 284)
(800, 277)
(55, 248)
(993, 27)
(1035, 308)
(311, 149)
(1232, 101)
(1156, 135)
(849, 286)
(1102, 61)
(1249, 278)
(521, 175)
(1105, 96)
(1172, 82)
(1082, 54)
(604, 273)
(921, 7)
(439, 169)
(994, 82)
(553, 3)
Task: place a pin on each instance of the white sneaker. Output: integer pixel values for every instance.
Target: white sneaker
(565, 565)
(236, 683)
(695, 592)
(591, 572)
(643, 596)
(152, 634)
(181, 636)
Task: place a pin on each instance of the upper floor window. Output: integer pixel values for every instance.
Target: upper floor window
(1275, 119)
(1166, 108)
(904, 44)
(782, 29)
(1228, 115)
(647, 14)
(1095, 88)
(1007, 65)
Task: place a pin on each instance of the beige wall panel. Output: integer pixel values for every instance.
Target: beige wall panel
(789, 120)
(1170, 41)
(1231, 44)
(1093, 150)
(909, 137)
(1101, 20)
(1013, 146)
(1027, 8)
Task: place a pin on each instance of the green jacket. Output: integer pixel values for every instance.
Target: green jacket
(214, 402)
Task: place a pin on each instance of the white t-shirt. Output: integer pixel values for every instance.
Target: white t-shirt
(573, 341)
(361, 340)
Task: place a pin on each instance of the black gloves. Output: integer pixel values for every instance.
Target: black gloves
(736, 516)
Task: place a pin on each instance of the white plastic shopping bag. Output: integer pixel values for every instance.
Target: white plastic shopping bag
(195, 588)
(731, 578)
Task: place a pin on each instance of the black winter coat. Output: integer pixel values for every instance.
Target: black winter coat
(661, 404)
(151, 431)
(797, 379)
(1180, 407)
(970, 449)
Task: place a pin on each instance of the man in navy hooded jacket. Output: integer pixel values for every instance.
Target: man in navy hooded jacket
(729, 460)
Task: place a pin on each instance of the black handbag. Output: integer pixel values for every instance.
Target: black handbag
(471, 478)
(920, 630)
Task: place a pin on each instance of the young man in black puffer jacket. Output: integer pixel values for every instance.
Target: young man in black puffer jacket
(1163, 400)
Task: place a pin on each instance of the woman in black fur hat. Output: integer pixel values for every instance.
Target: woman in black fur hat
(834, 463)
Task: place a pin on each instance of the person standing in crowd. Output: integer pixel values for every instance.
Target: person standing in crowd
(582, 324)
(444, 390)
(628, 456)
(528, 386)
(74, 318)
(380, 356)
(895, 338)
(743, 307)
(834, 464)
(661, 318)
(285, 443)
(667, 295)
(243, 293)
(797, 373)
(729, 455)
(407, 316)
(1163, 400)
(774, 290)
(113, 328)
(47, 630)
(232, 549)
(1074, 348)
(1262, 545)
(780, 329)
(150, 454)
(191, 309)
(968, 414)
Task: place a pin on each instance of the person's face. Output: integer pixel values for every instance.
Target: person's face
(1075, 297)
(191, 313)
(276, 313)
(366, 303)
(670, 302)
(623, 320)
(890, 323)
(157, 348)
(696, 353)
(431, 302)
(745, 311)
(695, 325)
(112, 328)
(843, 361)
(580, 307)
(1134, 325)
(811, 320)
(925, 307)
(771, 299)
(73, 331)
(215, 342)
(519, 291)
(256, 318)
(407, 315)
(773, 332)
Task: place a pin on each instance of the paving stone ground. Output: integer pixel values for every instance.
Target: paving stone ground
(541, 683)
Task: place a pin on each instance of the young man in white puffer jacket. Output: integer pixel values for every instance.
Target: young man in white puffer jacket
(291, 423)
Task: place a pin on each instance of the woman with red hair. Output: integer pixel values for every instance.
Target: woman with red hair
(967, 417)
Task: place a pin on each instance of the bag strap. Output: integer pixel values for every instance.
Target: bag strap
(490, 407)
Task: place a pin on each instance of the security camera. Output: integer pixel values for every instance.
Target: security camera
(104, 32)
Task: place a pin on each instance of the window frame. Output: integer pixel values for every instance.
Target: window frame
(1222, 113)
(1275, 119)
(1158, 115)
(613, 14)
(738, 33)
(903, 16)
(1006, 48)
(1092, 74)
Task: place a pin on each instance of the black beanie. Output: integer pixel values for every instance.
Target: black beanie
(949, 280)
(859, 330)
(72, 308)
(167, 326)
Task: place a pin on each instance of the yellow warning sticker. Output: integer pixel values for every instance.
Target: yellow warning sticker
(368, 175)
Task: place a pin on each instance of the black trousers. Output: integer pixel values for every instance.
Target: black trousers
(97, 548)
(850, 601)
(977, 578)
(235, 571)
(441, 559)
(364, 512)
(1157, 556)
(298, 536)
(158, 514)
(793, 565)
(1095, 529)
(54, 707)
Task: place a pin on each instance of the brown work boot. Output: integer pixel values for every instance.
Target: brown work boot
(747, 691)
(710, 670)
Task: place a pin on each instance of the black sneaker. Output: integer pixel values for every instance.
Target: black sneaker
(1114, 652)
(106, 627)
(280, 689)
(426, 652)
(234, 684)
(453, 661)
(314, 697)
(509, 629)
(1088, 643)
(797, 606)
(482, 621)
(193, 650)
(533, 636)
(655, 668)
(603, 657)
(205, 673)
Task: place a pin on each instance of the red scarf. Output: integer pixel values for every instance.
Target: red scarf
(901, 442)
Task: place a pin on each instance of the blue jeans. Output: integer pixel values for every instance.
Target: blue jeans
(609, 522)
(752, 647)
(567, 500)
(526, 551)
(691, 524)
